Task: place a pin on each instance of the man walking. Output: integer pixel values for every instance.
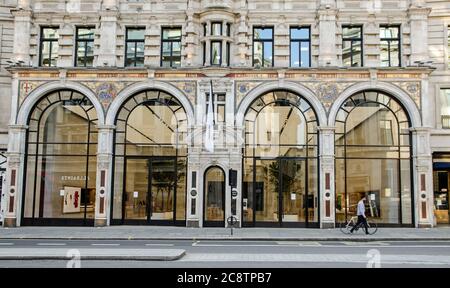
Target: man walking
(361, 212)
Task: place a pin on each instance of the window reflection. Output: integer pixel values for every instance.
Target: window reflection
(372, 159)
(61, 159)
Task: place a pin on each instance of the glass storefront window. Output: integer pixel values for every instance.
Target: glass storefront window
(61, 159)
(280, 162)
(373, 159)
(150, 160)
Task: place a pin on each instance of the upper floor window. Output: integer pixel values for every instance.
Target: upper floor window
(171, 47)
(216, 29)
(134, 56)
(84, 50)
(352, 53)
(218, 103)
(300, 47)
(216, 52)
(49, 47)
(263, 47)
(390, 46)
(448, 46)
(445, 108)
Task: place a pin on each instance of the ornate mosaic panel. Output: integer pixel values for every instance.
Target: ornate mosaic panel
(413, 89)
(242, 88)
(189, 88)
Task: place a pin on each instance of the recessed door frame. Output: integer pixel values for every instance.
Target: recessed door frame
(214, 223)
(149, 198)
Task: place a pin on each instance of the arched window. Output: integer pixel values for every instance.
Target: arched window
(280, 161)
(150, 160)
(373, 158)
(61, 160)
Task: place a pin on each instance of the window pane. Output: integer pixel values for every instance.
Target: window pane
(395, 53)
(257, 53)
(45, 54)
(171, 34)
(54, 55)
(384, 53)
(346, 53)
(300, 33)
(216, 29)
(389, 32)
(85, 33)
(445, 108)
(88, 48)
(351, 32)
(295, 56)
(135, 34)
(215, 52)
(304, 50)
(176, 48)
(356, 51)
(130, 54)
(140, 54)
(267, 54)
(263, 33)
(50, 33)
(221, 113)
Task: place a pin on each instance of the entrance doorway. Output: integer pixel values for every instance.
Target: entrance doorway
(150, 191)
(441, 180)
(214, 198)
(278, 194)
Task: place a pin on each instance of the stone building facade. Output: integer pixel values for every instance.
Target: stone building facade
(313, 108)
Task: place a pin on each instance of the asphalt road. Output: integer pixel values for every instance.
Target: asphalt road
(252, 254)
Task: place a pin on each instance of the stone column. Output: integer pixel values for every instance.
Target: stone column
(14, 175)
(194, 195)
(22, 29)
(108, 36)
(423, 178)
(224, 53)
(418, 19)
(208, 44)
(327, 35)
(326, 185)
(103, 189)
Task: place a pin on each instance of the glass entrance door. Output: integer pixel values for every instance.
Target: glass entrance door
(275, 193)
(214, 194)
(441, 196)
(150, 190)
(162, 183)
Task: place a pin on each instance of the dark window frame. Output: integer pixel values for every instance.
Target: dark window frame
(135, 42)
(300, 41)
(85, 42)
(352, 40)
(389, 40)
(262, 41)
(171, 41)
(41, 45)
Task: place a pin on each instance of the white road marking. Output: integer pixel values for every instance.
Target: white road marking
(51, 244)
(6, 244)
(105, 244)
(156, 244)
(298, 243)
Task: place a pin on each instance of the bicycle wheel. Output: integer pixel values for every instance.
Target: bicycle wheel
(346, 227)
(372, 228)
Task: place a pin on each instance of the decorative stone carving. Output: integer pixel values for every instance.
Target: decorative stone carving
(413, 89)
(242, 89)
(189, 88)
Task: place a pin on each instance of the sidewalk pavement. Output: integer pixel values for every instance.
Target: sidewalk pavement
(90, 254)
(184, 233)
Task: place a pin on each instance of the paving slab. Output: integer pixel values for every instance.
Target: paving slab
(90, 254)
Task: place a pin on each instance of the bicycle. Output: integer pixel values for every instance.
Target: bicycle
(345, 228)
